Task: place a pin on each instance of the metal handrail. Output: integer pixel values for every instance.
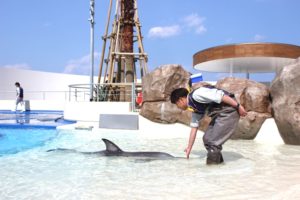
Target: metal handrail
(118, 92)
(42, 95)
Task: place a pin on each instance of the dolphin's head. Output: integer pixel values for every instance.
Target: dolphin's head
(111, 148)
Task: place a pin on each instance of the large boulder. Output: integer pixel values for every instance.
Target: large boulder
(285, 93)
(158, 85)
(255, 97)
(164, 112)
(250, 125)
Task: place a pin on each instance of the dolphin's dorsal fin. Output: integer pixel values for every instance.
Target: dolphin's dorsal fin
(110, 146)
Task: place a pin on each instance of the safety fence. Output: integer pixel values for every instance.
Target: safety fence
(37, 95)
(112, 92)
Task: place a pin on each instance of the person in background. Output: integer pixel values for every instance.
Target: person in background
(218, 104)
(20, 95)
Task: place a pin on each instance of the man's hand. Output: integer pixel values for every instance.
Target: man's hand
(187, 152)
(242, 111)
(230, 101)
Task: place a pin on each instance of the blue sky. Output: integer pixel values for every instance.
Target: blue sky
(54, 35)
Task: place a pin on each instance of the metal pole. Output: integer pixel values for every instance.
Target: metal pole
(104, 43)
(231, 69)
(69, 93)
(92, 12)
(132, 97)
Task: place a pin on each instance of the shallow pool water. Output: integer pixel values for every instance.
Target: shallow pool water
(252, 170)
(17, 139)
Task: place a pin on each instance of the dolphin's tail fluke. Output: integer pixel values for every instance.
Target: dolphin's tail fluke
(111, 147)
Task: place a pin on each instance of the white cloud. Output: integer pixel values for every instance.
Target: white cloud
(18, 66)
(192, 22)
(195, 22)
(164, 31)
(81, 65)
(259, 37)
(201, 29)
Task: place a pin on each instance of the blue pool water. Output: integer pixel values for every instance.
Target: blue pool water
(16, 139)
(20, 131)
(33, 118)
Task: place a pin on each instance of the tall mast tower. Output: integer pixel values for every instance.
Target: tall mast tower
(125, 46)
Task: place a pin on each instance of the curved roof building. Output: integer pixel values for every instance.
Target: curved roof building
(246, 57)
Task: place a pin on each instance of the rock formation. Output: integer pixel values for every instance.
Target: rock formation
(162, 81)
(158, 85)
(255, 98)
(285, 94)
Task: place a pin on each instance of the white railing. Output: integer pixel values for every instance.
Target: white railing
(118, 92)
(36, 95)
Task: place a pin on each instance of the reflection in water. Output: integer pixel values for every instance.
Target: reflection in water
(40, 118)
(22, 118)
(230, 156)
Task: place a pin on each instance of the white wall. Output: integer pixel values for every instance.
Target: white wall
(54, 85)
(90, 111)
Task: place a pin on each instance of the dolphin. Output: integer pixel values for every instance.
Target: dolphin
(113, 150)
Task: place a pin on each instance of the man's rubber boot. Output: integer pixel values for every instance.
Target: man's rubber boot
(214, 158)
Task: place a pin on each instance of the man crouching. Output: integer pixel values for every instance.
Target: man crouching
(218, 104)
